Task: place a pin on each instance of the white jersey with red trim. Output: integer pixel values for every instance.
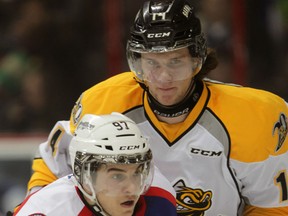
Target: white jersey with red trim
(232, 148)
(59, 198)
(62, 197)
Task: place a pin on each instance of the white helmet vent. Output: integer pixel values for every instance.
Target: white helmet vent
(125, 135)
(108, 147)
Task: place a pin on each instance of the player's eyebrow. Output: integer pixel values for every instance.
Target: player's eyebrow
(115, 169)
(123, 170)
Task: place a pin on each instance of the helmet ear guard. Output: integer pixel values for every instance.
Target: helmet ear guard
(197, 66)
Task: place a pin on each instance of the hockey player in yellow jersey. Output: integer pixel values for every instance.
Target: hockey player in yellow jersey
(224, 148)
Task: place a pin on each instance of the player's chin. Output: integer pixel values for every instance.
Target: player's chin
(127, 207)
(125, 212)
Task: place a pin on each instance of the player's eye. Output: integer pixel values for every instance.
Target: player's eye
(175, 61)
(118, 177)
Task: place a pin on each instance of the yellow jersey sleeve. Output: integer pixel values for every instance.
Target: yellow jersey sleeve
(41, 176)
(117, 94)
(256, 211)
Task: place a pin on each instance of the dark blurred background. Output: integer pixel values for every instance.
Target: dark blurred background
(51, 51)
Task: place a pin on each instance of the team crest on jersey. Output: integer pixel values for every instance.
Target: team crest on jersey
(192, 201)
(281, 128)
(77, 111)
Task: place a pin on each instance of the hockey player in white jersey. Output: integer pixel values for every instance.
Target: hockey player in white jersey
(112, 175)
(221, 146)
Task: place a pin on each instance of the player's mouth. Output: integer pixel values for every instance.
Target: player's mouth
(166, 88)
(129, 203)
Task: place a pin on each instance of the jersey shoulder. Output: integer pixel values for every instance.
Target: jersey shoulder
(43, 201)
(256, 120)
(119, 93)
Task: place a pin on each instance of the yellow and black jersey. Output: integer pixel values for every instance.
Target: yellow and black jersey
(231, 149)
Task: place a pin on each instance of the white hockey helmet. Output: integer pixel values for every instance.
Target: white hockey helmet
(108, 139)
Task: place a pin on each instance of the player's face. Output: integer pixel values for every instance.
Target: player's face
(120, 187)
(168, 75)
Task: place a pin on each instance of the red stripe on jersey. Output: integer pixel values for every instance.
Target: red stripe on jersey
(141, 207)
(159, 192)
(85, 212)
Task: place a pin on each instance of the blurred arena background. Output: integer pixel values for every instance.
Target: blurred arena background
(51, 51)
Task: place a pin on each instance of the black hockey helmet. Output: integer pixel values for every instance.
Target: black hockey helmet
(163, 26)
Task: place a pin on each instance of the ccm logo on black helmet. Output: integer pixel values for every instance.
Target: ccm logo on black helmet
(129, 147)
(158, 35)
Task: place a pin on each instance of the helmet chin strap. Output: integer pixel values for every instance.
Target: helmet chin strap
(181, 108)
(96, 205)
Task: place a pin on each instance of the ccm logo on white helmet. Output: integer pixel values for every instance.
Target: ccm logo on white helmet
(129, 147)
(158, 35)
